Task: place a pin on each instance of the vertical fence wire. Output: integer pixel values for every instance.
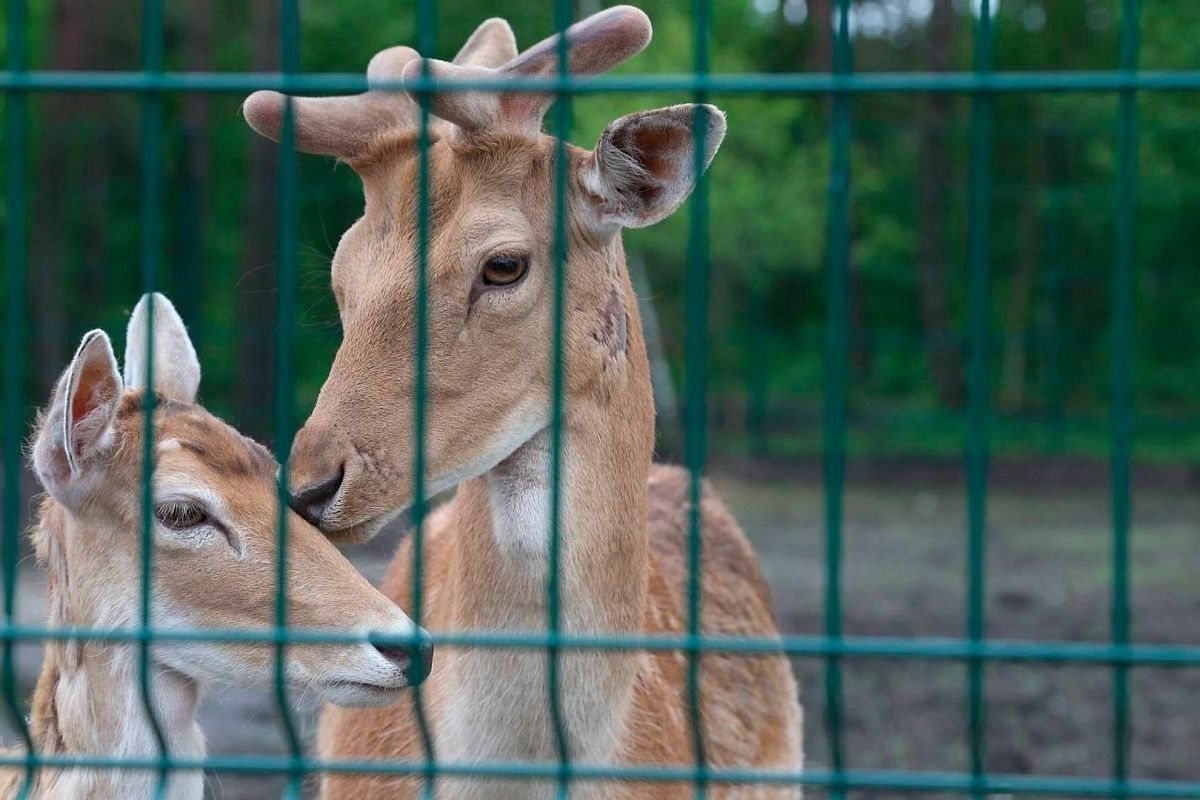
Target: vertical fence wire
(286, 188)
(1122, 388)
(426, 40)
(16, 121)
(562, 132)
(836, 357)
(697, 386)
(151, 243)
(979, 255)
(836, 378)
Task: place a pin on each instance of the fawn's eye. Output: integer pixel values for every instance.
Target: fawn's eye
(504, 269)
(180, 515)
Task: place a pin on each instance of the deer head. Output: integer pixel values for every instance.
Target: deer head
(490, 264)
(215, 527)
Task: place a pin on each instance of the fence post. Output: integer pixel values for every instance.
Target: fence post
(16, 125)
(978, 389)
(837, 356)
(426, 40)
(1122, 388)
(285, 301)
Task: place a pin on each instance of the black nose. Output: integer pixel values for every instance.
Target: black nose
(311, 501)
(415, 660)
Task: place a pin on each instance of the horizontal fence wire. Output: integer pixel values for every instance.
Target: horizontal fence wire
(975, 649)
(939, 648)
(865, 780)
(769, 83)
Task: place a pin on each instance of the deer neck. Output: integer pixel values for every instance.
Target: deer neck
(88, 699)
(606, 447)
(500, 574)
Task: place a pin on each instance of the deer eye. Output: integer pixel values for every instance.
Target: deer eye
(504, 269)
(180, 515)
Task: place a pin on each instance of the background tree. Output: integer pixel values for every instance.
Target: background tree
(767, 213)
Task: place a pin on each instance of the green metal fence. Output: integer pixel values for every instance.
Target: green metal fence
(974, 652)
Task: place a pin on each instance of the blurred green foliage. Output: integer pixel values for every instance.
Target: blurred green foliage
(1052, 214)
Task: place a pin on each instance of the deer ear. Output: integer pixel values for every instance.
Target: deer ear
(176, 371)
(78, 426)
(644, 166)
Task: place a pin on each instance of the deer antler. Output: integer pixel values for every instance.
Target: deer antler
(595, 44)
(345, 126)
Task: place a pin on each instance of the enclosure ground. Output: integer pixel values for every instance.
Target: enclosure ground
(1048, 578)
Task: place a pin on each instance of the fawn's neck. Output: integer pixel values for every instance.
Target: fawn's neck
(89, 702)
(499, 576)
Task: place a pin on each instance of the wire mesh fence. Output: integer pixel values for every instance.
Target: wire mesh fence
(842, 85)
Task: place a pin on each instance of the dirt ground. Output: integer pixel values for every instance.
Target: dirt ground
(1048, 576)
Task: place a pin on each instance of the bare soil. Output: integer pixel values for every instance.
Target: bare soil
(1048, 578)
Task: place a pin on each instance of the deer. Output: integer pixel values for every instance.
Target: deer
(490, 274)
(214, 541)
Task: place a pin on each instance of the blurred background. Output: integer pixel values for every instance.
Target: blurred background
(1050, 362)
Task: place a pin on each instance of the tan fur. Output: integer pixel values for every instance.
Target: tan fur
(623, 533)
(749, 705)
(88, 536)
(489, 398)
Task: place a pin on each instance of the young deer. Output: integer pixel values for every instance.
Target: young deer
(491, 306)
(215, 546)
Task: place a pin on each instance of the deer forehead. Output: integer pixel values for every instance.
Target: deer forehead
(195, 450)
(499, 171)
(484, 196)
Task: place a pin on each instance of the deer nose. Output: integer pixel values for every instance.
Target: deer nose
(416, 662)
(312, 501)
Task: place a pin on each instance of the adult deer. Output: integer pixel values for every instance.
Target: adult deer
(490, 320)
(215, 550)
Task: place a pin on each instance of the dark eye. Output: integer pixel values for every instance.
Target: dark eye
(504, 269)
(179, 516)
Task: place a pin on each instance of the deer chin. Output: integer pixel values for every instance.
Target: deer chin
(357, 532)
(355, 694)
(351, 521)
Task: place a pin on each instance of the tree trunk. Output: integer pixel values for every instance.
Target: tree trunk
(79, 139)
(196, 172)
(69, 50)
(1020, 297)
(256, 301)
(941, 355)
(820, 55)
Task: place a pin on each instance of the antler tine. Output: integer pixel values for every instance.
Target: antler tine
(345, 126)
(331, 126)
(491, 45)
(595, 44)
(387, 64)
(341, 126)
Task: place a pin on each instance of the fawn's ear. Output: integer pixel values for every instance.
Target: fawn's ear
(78, 427)
(644, 165)
(176, 372)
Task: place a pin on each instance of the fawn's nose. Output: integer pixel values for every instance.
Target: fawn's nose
(312, 501)
(415, 661)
